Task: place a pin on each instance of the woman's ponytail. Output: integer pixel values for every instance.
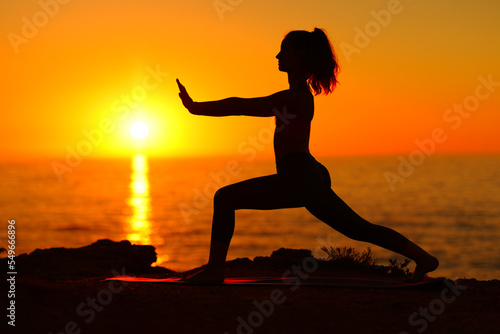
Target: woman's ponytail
(320, 63)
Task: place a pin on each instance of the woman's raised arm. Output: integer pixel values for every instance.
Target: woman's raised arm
(236, 106)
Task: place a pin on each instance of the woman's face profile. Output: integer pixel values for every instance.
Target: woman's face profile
(289, 58)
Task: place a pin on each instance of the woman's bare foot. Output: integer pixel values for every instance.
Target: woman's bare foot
(206, 276)
(424, 267)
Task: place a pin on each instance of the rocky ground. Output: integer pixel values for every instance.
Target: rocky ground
(61, 290)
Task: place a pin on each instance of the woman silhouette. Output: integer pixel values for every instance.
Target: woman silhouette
(301, 181)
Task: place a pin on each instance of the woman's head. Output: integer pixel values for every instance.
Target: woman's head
(311, 53)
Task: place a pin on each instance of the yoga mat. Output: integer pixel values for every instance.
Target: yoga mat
(342, 282)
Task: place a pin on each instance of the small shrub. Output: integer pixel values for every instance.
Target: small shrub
(349, 257)
(345, 255)
(397, 269)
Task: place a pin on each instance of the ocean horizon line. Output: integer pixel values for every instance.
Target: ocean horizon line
(22, 158)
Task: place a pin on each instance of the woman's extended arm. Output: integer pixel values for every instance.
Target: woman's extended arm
(260, 106)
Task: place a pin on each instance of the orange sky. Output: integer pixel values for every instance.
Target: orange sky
(77, 75)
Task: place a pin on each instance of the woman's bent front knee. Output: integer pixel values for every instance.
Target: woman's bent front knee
(222, 197)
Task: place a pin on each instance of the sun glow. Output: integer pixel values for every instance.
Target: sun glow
(139, 130)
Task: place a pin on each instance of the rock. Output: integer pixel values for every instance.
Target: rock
(240, 262)
(284, 257)
(95, 260)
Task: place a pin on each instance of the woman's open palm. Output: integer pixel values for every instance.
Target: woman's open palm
(187, 101)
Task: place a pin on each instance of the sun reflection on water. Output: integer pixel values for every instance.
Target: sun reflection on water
(140, 229)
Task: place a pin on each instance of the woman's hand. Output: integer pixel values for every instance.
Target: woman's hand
(187, 101)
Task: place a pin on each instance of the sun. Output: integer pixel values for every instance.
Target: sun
(139, 130)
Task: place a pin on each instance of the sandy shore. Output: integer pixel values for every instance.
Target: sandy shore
(65, 301)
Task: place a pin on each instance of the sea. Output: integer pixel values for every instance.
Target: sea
(447, 204)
